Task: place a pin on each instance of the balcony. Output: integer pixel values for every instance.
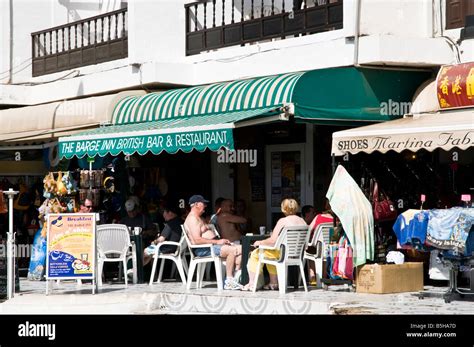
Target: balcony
(216, 24)
(85, 42)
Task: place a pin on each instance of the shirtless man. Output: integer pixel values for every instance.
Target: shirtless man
(228, 222)
(200, 233)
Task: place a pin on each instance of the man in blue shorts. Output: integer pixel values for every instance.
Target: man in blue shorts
(200, 233)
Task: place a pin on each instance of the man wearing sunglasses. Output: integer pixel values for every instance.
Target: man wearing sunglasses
(87, 206)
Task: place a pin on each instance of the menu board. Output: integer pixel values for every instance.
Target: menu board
(70, 246)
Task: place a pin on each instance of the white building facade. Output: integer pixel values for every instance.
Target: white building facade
(55, 50)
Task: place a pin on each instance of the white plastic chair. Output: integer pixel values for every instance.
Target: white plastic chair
(199, 263)
(320, 242)
(209, 265)
(112, 239)
(291, 243)
(178, 257)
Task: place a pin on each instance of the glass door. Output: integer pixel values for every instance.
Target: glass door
(285, 178)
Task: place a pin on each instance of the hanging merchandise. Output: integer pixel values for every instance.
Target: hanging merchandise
(60, 186)
(343, 264)
(69, 183)
(85, 179)
(49, 185)
(109, 184)
(384, 208)
(97, 176)
(71, 206)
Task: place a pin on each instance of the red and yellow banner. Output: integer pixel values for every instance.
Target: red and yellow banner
(455, 86)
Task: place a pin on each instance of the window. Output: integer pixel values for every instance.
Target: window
(456, 12)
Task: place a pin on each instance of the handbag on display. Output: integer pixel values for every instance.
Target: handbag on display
(384, 208)
(344, 264)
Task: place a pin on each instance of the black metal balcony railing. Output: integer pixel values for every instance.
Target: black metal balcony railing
(85, 42)
(213, 24)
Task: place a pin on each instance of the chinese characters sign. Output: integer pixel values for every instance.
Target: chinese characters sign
(455, 86)
(71, 245)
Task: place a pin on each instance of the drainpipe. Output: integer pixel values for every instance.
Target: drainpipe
(10, 49)
(357, 33)
(441, 18)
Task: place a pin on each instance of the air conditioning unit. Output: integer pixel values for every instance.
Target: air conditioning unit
(468, 31)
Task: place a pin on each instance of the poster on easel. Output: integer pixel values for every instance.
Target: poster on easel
(71, 246)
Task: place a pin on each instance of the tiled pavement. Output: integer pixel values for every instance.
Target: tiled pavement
(172, 298)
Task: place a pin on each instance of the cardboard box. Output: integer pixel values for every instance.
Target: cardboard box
(390, 278)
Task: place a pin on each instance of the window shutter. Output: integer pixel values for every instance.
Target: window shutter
(469, 8)
(455, 13)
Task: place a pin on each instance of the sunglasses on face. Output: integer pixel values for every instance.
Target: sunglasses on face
(88, 206)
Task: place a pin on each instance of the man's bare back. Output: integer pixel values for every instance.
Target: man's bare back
(228, 222)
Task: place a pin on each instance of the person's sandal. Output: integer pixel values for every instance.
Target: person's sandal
(270, 286)
(246, 288)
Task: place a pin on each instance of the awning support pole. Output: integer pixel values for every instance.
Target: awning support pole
(10, 246)
(333, 164)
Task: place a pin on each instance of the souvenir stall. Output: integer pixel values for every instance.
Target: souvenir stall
(417, 172)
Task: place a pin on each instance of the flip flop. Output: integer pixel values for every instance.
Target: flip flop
(270, 286)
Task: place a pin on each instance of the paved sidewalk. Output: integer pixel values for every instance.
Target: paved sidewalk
(172, 298)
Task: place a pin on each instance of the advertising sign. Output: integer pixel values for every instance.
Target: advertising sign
(70, 246)
(455, 86)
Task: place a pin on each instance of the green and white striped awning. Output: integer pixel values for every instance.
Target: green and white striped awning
(180, 133)
(202, 117)
(205, 100)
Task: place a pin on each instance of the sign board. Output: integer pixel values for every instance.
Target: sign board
(143, 142)
(455, 86)
(71, 251)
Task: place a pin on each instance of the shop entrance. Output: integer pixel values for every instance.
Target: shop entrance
(285, 168)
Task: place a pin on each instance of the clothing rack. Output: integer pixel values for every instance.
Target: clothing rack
(455, 262)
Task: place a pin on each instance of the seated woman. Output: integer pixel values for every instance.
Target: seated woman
(289, 207)
(325, 217)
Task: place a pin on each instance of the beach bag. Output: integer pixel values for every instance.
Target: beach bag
(344, 265)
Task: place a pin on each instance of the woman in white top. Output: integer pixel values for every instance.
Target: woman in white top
(289, 207)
